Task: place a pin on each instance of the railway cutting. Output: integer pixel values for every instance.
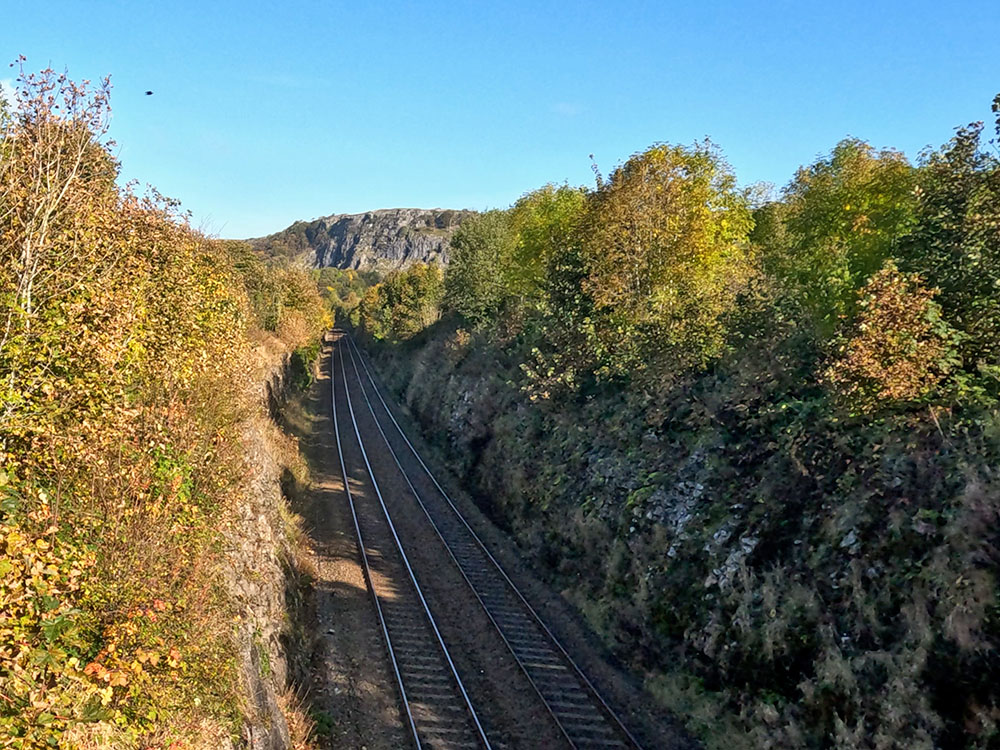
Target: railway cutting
(436, 705)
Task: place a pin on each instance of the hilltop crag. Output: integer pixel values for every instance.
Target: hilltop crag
(381, 240)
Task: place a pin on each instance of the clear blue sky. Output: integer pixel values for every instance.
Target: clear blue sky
(264, 113)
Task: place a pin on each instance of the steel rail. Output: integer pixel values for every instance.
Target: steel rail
(535, 617)
(361, 549)
(484, 740)
(455, 559)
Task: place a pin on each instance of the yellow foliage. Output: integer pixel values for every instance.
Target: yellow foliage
(124, 346)
(665, 253)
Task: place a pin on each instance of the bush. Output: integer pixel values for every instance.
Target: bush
(125, 338)
(900, 350)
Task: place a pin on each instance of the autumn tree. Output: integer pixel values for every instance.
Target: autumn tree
(664, 253)
(60, 226)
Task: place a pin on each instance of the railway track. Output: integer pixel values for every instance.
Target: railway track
(586, 721)
(436, 706)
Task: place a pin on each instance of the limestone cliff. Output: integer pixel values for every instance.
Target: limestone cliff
(381, 240)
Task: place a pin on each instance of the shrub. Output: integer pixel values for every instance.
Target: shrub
(124, 390)
(900, 350)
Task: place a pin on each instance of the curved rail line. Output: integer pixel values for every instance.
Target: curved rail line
(437, 708)
(584, 717)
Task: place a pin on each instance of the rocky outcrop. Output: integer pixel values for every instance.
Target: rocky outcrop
(382, 240)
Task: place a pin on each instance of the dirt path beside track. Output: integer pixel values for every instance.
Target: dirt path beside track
(353, 698)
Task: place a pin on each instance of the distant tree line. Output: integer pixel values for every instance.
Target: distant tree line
(754, 436)
(884, 275)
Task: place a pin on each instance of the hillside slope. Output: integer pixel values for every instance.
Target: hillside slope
(383, 240)
(757, 448)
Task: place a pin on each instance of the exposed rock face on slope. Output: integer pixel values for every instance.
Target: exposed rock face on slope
(382, 240)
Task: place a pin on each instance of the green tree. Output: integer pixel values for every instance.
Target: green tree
(546, 221)
(373, 313)
(415, 297)
(840, 220)
(956, 243)
(482, 253)
(404, 303)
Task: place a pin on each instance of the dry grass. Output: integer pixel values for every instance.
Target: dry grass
(301, 727)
